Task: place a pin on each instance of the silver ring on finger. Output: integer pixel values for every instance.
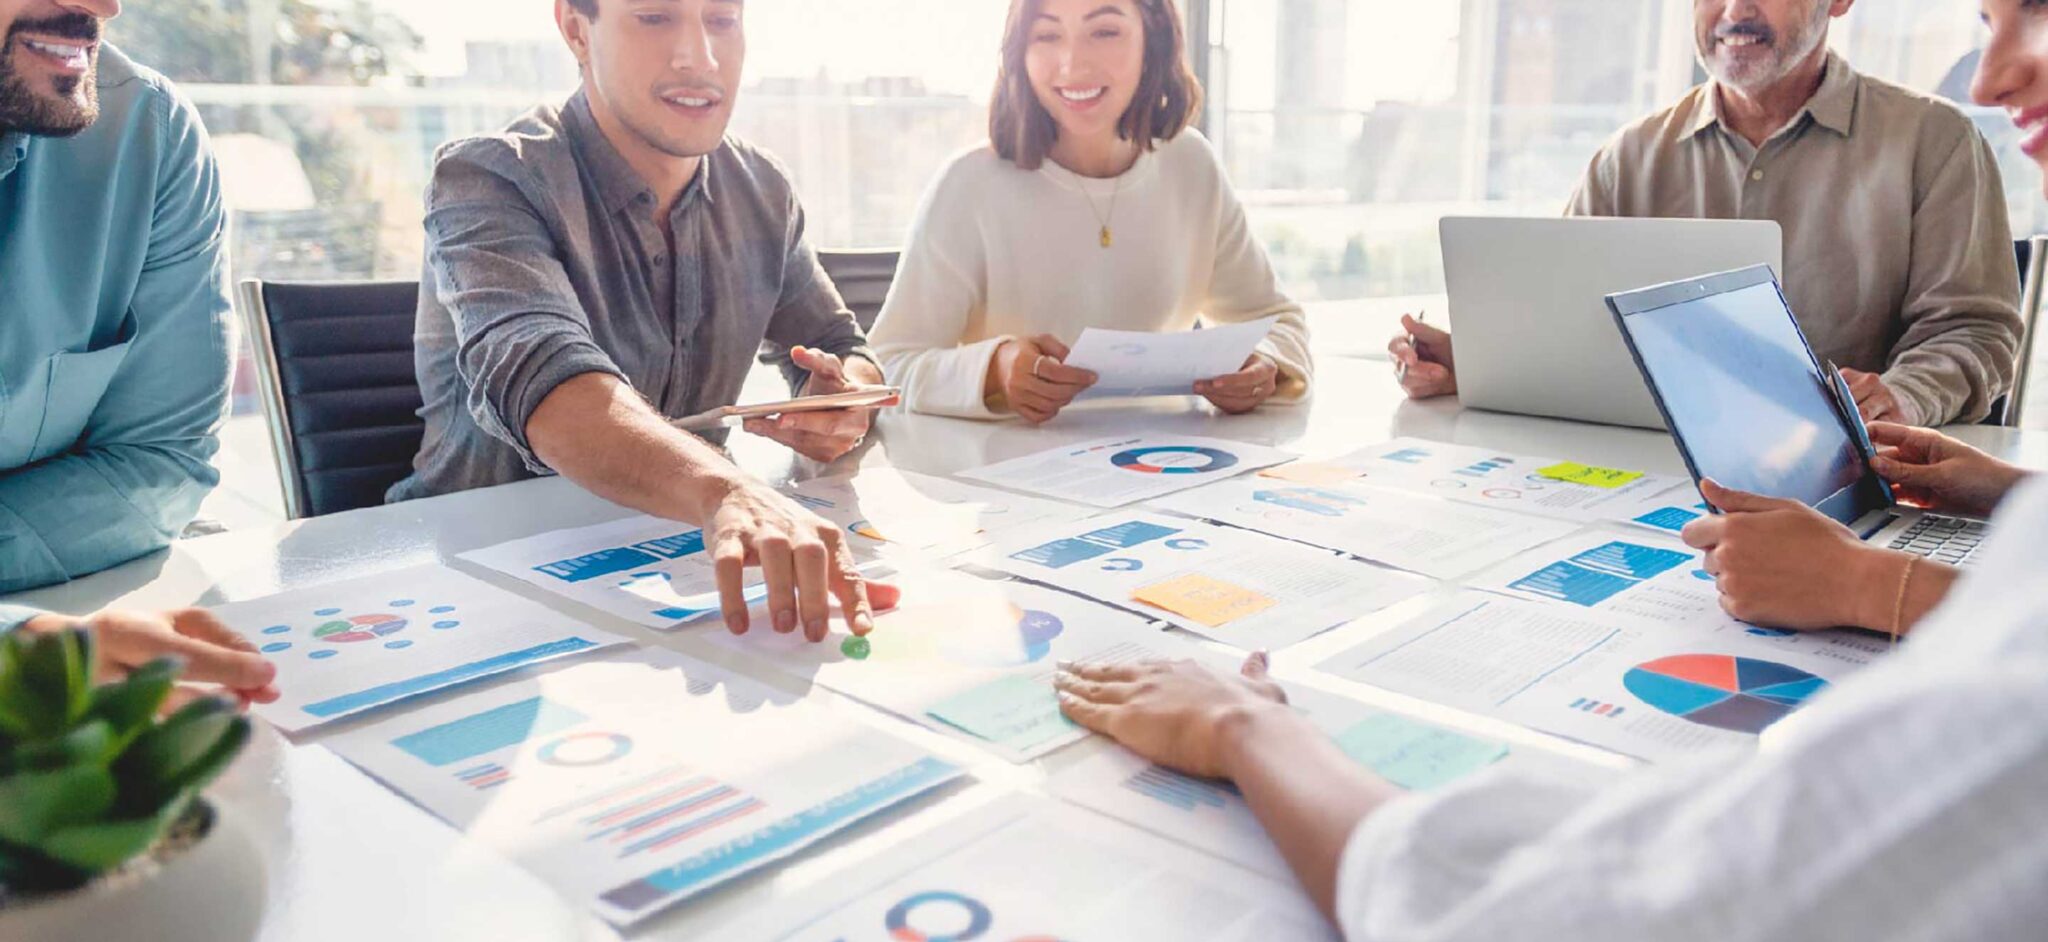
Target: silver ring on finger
(1035, 364)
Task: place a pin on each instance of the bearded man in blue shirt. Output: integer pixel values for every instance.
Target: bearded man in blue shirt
(113, 300)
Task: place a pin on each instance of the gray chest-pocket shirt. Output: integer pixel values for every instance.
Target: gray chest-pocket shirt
(544, 262)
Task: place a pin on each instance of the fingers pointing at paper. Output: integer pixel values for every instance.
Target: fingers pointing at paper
(804, 561)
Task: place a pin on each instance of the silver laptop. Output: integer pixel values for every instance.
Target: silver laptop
(1528, 305)
(1752, 407)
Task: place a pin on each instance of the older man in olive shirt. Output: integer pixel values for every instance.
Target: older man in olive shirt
(599, 268)
(1898, 253)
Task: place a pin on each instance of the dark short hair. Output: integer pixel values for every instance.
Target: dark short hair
(586, 7)
(1167, 100)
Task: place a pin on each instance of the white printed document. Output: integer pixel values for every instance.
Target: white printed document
(648, 570)
(969, 657)
(1238, 587)
(1652, 688)
(1546, 487)
(1130, 363)
(895, 514)
(1112, 472)
(1434, 537)
(631, 784)
(1028, 869)
(1212, 816)
(351, 646)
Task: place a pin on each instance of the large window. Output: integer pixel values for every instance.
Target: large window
(326, 115)
(1351, 126)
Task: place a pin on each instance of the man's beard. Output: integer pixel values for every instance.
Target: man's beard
(73, 102)
(1787, 51)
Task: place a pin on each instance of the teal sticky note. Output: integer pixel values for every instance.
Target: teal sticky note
(1016, 712)
(1414, 755)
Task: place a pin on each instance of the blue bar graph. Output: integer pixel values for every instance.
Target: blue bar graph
(1172, 788)
(599, 564)
(1578, 585)
(674, 547)
(1127, 535)
(1668, 518)
(487, 732)
(1631, 561)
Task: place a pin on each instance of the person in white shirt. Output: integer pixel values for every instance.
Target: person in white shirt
(1093, 205)
(1903, 803)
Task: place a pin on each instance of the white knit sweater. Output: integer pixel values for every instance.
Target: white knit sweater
(999, 252)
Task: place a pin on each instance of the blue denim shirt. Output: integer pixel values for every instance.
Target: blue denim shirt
(113, 333)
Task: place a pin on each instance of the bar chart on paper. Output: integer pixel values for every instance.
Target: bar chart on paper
(630, 784)
(1233, 585)
(651, 571)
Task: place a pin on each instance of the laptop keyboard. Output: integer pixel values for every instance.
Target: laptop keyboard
(1948, 540)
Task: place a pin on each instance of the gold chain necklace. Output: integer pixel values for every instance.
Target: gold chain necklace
(1108, 237)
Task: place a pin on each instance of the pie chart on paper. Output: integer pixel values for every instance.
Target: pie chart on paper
(1739, 694)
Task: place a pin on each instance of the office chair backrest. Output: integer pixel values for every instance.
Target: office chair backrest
(334, 363)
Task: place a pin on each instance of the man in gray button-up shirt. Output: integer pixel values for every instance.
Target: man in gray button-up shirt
(597, 268)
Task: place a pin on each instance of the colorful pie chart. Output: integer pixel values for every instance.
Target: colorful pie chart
(1174, 459)
(359, 628)
(1741, 694)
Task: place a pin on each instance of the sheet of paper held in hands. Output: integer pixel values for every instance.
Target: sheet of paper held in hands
(1137, 363)
(349, 647)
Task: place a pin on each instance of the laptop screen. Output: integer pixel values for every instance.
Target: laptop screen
(1744, 394)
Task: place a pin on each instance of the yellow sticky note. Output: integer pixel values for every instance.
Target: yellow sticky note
(1204, 600)
(1573, 472)
(1311, 472)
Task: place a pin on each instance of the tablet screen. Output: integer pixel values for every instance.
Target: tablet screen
(1745, 396)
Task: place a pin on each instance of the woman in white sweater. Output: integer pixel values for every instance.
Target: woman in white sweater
(1094, 205)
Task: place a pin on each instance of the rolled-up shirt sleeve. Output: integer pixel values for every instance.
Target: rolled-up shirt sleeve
(520, 331)
(1862, 823)
(1961, 310)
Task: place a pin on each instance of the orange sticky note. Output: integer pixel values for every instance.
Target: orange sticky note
(1311, 472)
(1204, 600)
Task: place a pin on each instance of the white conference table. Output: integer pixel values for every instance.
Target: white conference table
(350, 860)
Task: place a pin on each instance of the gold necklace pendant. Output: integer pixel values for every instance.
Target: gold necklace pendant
(1107, 240)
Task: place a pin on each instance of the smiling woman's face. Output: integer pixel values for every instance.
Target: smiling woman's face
(2014, 73)
(1085, 60)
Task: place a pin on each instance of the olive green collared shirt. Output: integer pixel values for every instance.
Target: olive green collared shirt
(1898, 253)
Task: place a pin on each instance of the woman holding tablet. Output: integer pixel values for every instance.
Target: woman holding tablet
(1093, 205)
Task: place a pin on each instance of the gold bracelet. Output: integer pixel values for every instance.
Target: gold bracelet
(1899, 606)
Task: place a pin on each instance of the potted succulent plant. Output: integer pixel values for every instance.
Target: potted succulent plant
(103, 834)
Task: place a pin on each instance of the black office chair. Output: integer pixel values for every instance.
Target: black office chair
(863, 278)
(2032, 255)
(334, 365)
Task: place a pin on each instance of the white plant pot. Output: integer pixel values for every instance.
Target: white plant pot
(213, 891)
